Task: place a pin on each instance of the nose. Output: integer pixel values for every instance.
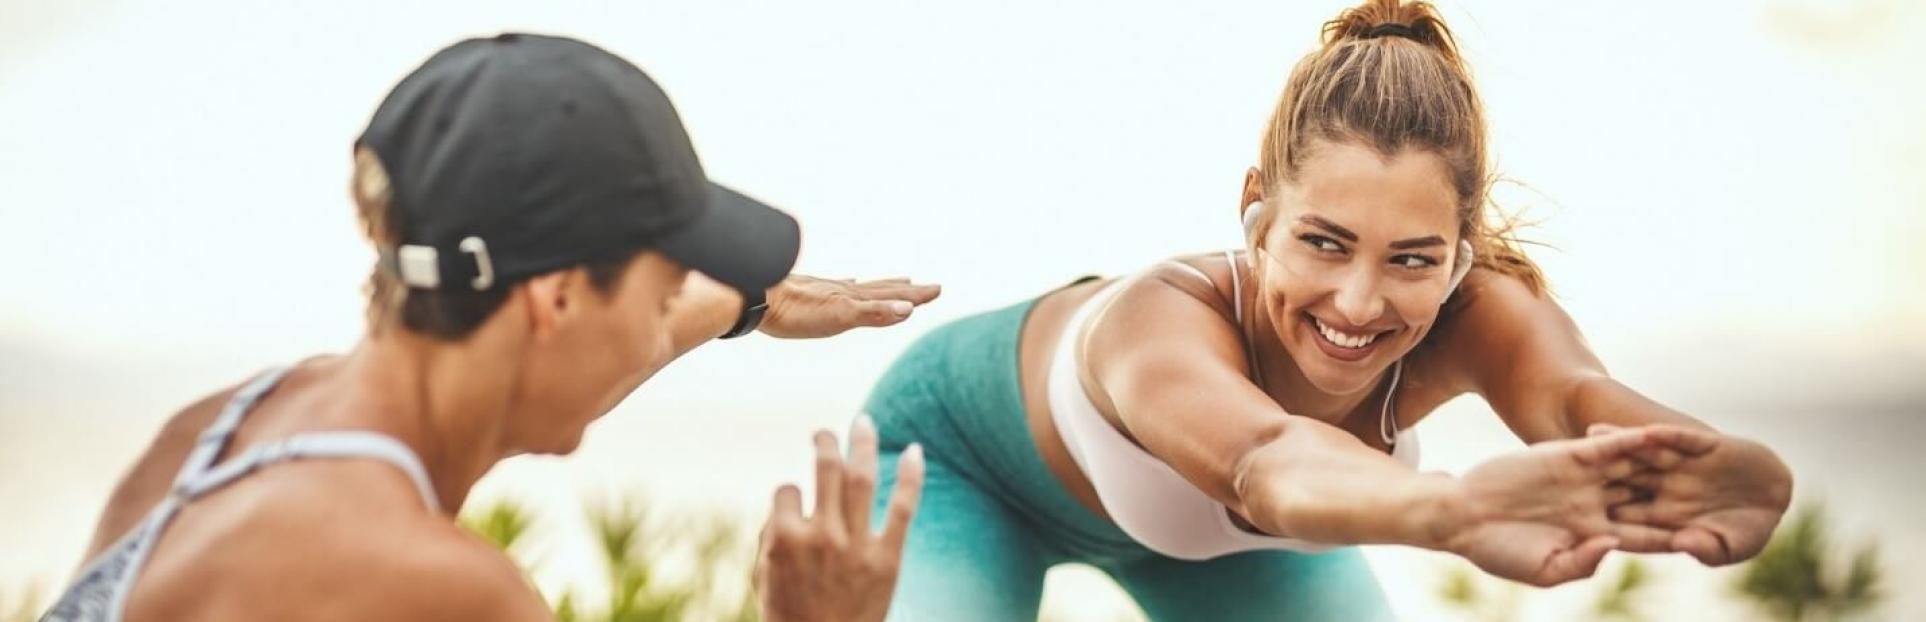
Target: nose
(1358, 298)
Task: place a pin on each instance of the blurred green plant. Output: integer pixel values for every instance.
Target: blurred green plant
(637, 548)
(1486, 600)
(1802, 576)
(1619, 597)
(502, 523)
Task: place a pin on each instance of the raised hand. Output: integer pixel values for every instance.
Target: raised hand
(1721, 496)
(832, 566)
(802, 307)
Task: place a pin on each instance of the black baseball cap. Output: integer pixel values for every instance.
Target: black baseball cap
(520, 154)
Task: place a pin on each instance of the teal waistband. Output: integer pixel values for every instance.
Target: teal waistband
(957, 392)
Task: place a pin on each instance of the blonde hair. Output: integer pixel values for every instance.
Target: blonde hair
(1389, 75)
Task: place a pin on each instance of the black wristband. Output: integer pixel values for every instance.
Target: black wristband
(753, 308)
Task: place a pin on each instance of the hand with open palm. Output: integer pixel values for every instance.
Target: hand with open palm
(1540, 516)
(1721, 496)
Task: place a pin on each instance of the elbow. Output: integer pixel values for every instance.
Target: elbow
(1263, 481)
(1574, 396)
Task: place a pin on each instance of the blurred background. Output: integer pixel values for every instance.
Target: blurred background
(1730, 190)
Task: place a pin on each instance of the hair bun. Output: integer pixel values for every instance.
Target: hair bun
(1382, 19)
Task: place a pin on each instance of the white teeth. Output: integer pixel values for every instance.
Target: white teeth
(1344, 340)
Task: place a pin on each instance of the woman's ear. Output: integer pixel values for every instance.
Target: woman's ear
(1253, 192)
(1250, 207)
(547, 300)
(1460, 266)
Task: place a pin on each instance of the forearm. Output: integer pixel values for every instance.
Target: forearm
(1318, 483)
(705, 310)
(1601, 399)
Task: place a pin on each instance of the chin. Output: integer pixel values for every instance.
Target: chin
(1343, 381)
(562, 444)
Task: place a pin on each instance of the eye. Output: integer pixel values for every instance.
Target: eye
(1321, 244)
(1414, 262)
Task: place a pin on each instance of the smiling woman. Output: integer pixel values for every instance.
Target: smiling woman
(1210, 431)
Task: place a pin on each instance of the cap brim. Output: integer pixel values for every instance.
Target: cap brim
(738, 241)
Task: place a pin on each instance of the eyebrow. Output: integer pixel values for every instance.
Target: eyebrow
(1429, 240)
(1349, 236)
(1334, 228)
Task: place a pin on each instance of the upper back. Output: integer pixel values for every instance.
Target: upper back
(305, 539)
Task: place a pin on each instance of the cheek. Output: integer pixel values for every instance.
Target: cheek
(1284, 315)
(1419, 310)
(1297, 278)
(1286, 293)
(647, 337)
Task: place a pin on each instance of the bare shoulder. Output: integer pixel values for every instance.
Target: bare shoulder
(1208, 277)
(1177, 309)
(1205, 279)
(1490, 297)
(1502, 336)
(1492, 312)
(147, 480)
(430, 569)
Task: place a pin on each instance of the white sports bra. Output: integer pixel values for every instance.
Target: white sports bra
(1148, 499)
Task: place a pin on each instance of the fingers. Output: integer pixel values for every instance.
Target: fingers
(859, 478)
(1649, 484)
(1619, 469)
(1642, 538)
(879, 312)
(1669, 443)
(829, 482)
(1603, 449)
(787, 506)
(1578, 562)
(904, 290)
(1646, 479)
(1689, 441)
(903, 500)
(1704, 545)
(785, 520)
(1657, 513)
(1620, 494)
(1659, 458)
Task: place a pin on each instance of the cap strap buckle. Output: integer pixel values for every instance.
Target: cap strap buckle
(420, 266)
(484, 267)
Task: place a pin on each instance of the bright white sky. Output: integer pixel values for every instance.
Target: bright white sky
(1735, 187)
(173, 174)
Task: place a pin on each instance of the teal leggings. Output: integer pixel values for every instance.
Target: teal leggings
(993, 518)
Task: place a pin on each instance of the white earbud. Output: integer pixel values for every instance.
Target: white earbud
(1251, 214)
(1460, 267)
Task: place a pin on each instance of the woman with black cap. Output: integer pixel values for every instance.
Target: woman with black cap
(548, 240)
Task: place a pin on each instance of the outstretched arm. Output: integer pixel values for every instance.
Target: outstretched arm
(800, 307)
(1173, 369)
(1527, 358)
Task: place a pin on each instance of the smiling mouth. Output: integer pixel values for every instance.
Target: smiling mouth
(1344, 345)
